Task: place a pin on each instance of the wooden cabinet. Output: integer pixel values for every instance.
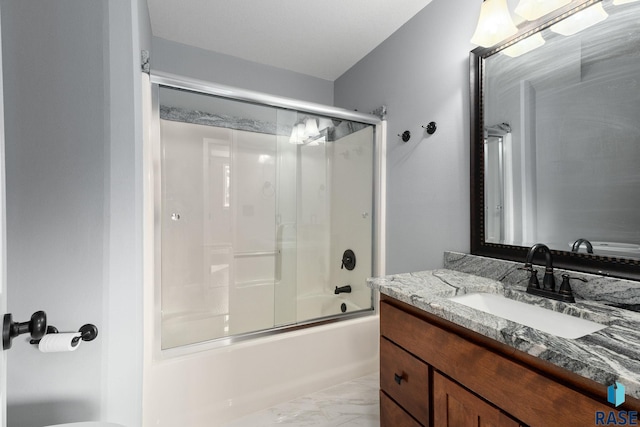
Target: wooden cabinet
(453, 406)
(392, 414)
(439, 374)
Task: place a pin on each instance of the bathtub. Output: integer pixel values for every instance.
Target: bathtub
(317, 306)
(206, 387)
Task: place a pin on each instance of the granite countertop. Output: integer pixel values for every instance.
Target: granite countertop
(611, 354)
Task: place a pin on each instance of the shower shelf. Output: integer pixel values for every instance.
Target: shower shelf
(218, 267)
(254, 254)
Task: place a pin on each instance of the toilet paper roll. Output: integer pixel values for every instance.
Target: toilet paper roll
(51, 343)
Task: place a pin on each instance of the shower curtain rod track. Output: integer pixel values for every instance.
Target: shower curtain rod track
(231, 92)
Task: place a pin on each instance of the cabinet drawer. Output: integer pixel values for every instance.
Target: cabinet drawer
(391, 415)
(405, 379)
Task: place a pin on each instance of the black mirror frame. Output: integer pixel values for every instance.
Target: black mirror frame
(588, 263)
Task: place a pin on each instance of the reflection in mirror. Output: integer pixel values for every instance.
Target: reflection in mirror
(560, 149)
(497, 144)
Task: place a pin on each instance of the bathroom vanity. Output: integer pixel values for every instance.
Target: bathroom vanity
(445, 364)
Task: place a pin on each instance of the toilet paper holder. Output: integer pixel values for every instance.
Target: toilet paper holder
(37, 328)
(88, 332)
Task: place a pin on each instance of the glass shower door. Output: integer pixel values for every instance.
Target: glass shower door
(196, 232)
(254, 228)
(258, 205)
(218, 162)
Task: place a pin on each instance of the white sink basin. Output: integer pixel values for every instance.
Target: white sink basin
(552, 322)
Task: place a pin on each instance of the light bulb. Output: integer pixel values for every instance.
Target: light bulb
(534, 9)
(297, 133)
(580, 20)
(310, 128)
(494, 24)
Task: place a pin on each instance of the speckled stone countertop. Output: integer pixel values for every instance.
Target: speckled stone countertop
(611, 354)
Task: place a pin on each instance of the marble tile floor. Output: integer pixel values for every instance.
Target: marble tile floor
(351, 404)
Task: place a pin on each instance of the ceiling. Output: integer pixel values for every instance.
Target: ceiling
(320, 38)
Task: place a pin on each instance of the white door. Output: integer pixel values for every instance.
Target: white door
(3, 286)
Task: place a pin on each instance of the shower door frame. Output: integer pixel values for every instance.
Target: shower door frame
(153, 161)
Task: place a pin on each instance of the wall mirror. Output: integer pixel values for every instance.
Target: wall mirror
(555, 140)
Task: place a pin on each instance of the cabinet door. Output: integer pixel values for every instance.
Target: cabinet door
(391, 415)
(454, 406)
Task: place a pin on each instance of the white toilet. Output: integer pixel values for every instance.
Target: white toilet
(87, 424)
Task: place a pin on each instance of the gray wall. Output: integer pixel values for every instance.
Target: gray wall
(55, 158)
(144, 24)
(129, 31)
(74, 204)
(421, 73)
(171, 57)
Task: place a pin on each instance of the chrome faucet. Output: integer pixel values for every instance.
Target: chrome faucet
(548, 289)
(576, 245)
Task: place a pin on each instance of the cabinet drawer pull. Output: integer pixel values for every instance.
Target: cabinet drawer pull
(398, 378)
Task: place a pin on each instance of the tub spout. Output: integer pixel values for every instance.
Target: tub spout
(343, 289)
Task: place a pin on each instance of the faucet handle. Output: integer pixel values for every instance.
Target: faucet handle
(576, 278)
(533, 279)
(566, 277)
(565, 287)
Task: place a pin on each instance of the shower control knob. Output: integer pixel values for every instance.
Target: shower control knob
(348, 260)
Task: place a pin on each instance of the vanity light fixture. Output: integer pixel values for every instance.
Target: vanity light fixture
(524, 46)
(534, 9)
(310, 128)
(581, 20)
(306, 132)
(324, 123)
(494, 24)
(297, 133)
